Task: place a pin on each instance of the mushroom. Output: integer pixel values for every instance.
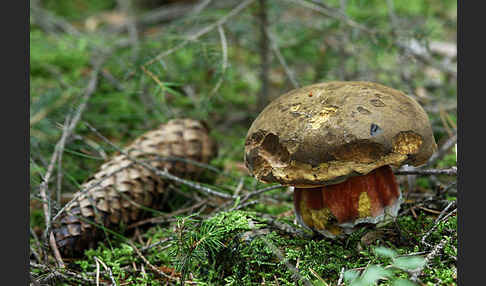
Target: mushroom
(335, 144)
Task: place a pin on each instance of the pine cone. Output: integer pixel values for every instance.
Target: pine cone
(127, 186)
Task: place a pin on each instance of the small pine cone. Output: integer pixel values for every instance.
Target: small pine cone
(127, 186)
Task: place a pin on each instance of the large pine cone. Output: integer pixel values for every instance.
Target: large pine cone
(127, 186)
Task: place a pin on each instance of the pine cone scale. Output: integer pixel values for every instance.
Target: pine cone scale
(125, 186)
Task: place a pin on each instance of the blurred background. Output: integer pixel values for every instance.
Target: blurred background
(222, 61)
(126, 66)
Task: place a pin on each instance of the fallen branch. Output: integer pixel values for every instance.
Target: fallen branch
(438, 221)
(59, 149)
(450, 171)
(427, 59)
(63, 274)
(429, 256)
(261, 191)
(244, 205)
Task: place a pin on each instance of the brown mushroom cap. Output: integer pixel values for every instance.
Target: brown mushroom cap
(324, 133)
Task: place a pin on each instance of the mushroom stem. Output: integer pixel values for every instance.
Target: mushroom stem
(359, 199)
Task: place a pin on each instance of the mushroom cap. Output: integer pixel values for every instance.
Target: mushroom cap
(324, 133)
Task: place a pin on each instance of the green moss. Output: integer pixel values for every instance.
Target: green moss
(67, 54)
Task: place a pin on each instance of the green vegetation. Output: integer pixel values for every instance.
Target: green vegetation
(237, 247)
(227, 242)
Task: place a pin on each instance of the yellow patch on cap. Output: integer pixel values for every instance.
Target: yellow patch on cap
(407, 143)
(322, 117)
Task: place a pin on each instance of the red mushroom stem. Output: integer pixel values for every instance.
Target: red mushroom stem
(359, 197)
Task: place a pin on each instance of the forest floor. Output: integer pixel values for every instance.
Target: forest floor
(125, 70)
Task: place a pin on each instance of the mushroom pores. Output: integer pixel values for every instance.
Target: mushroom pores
(335, 143)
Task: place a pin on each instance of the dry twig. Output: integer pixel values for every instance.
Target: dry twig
(341, 277)
(260, 191)
(155, 244)
(296, 275)
(450, 171)
(161, 173)
(59, 149)
(429, 256)
(332, 13)
(126, 8)
(171, 12)
(436, 223)
(224, 48)
(443, 150)
(48, 21)
(281, 59)
(63, 274)
(108, 269)
(272, 221)
(200, 33)
(155, 269)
